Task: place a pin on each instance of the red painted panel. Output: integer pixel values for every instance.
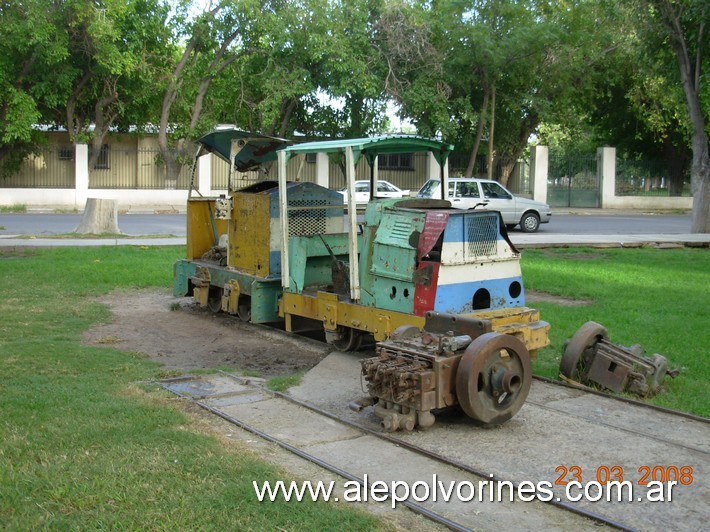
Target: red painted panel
(434, 224)
(425, 293)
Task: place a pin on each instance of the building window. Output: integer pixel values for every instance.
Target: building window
(102, 162)
(396, 161)
(66, 154)
(310, 157)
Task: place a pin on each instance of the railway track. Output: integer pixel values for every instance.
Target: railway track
(314, 423)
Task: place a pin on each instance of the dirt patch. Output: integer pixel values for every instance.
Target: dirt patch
(181, 336)
(13, 252)
(533, 296)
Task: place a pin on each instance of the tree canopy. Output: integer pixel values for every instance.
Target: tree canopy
(484, 74)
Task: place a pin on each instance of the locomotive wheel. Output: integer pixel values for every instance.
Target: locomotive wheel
(214, 299)
(573, 361)
(344, 338)
(493, 378)
(244, 309)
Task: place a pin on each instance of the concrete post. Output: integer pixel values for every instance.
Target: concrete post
(322, 167)
(606, 171)
(539, 166)
(204, 174)
(433, 171)
(81, 175)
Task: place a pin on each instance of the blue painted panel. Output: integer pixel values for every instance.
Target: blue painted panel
(275, 263)
(458, 298)
(456, 228)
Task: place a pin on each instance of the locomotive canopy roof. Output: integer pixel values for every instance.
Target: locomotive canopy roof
(254, 150)
(371, 147)
(257, 149)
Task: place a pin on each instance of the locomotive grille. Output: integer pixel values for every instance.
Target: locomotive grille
(402, 229)
(304, 221)
(482, 236)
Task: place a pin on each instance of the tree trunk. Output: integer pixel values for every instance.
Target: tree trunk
(506, 169)
(100, 217)
(491, 131)
(479, 134)
(690, 80)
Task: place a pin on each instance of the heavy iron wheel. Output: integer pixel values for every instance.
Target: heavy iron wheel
(344, 338)
(493, 378)
(214, 299)
(244, 309)
(579, 350)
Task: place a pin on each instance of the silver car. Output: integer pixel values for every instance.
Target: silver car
(469, 193)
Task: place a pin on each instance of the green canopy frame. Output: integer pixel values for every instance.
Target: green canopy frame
(353, 150)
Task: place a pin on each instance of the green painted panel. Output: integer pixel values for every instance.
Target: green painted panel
(265, 293)
(395, 246)
(391, 294)
(264, 301)
(310, 261)
(182, 271)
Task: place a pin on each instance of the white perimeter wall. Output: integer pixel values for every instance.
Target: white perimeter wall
(62, 198)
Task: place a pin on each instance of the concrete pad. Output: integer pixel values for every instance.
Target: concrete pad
(589, 432)
(381, 461)
(325, 383)
(207, 386)
(290, 423)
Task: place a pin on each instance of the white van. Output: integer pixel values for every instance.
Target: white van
(469, 193)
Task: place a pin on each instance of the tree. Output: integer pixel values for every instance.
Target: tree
(83, 64)
(32, 48)
(539, 59)
(683, 22)
(213, 43)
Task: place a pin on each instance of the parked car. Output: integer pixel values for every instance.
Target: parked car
(385, 189)
(469, 193)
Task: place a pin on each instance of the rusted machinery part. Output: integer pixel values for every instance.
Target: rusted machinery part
(405, 331)
(493, 378)
(585, 338)
(344, 338)
(214, 299)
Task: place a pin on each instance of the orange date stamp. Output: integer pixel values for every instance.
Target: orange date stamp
(615, 473)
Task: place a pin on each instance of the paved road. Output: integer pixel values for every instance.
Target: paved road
(51, 224)
(174, 224)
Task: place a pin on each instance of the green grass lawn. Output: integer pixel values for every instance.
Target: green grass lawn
(654, 297)
(84, 443)
(87, 444)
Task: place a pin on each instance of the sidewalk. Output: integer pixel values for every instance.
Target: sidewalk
(132, 209)
(88, 242)
(521, 240)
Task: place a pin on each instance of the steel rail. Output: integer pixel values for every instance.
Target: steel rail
(617, 427)
(582, 388)
(432, 516)
(437, 457)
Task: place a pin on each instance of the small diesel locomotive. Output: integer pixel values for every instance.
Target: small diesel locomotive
(439, 289)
